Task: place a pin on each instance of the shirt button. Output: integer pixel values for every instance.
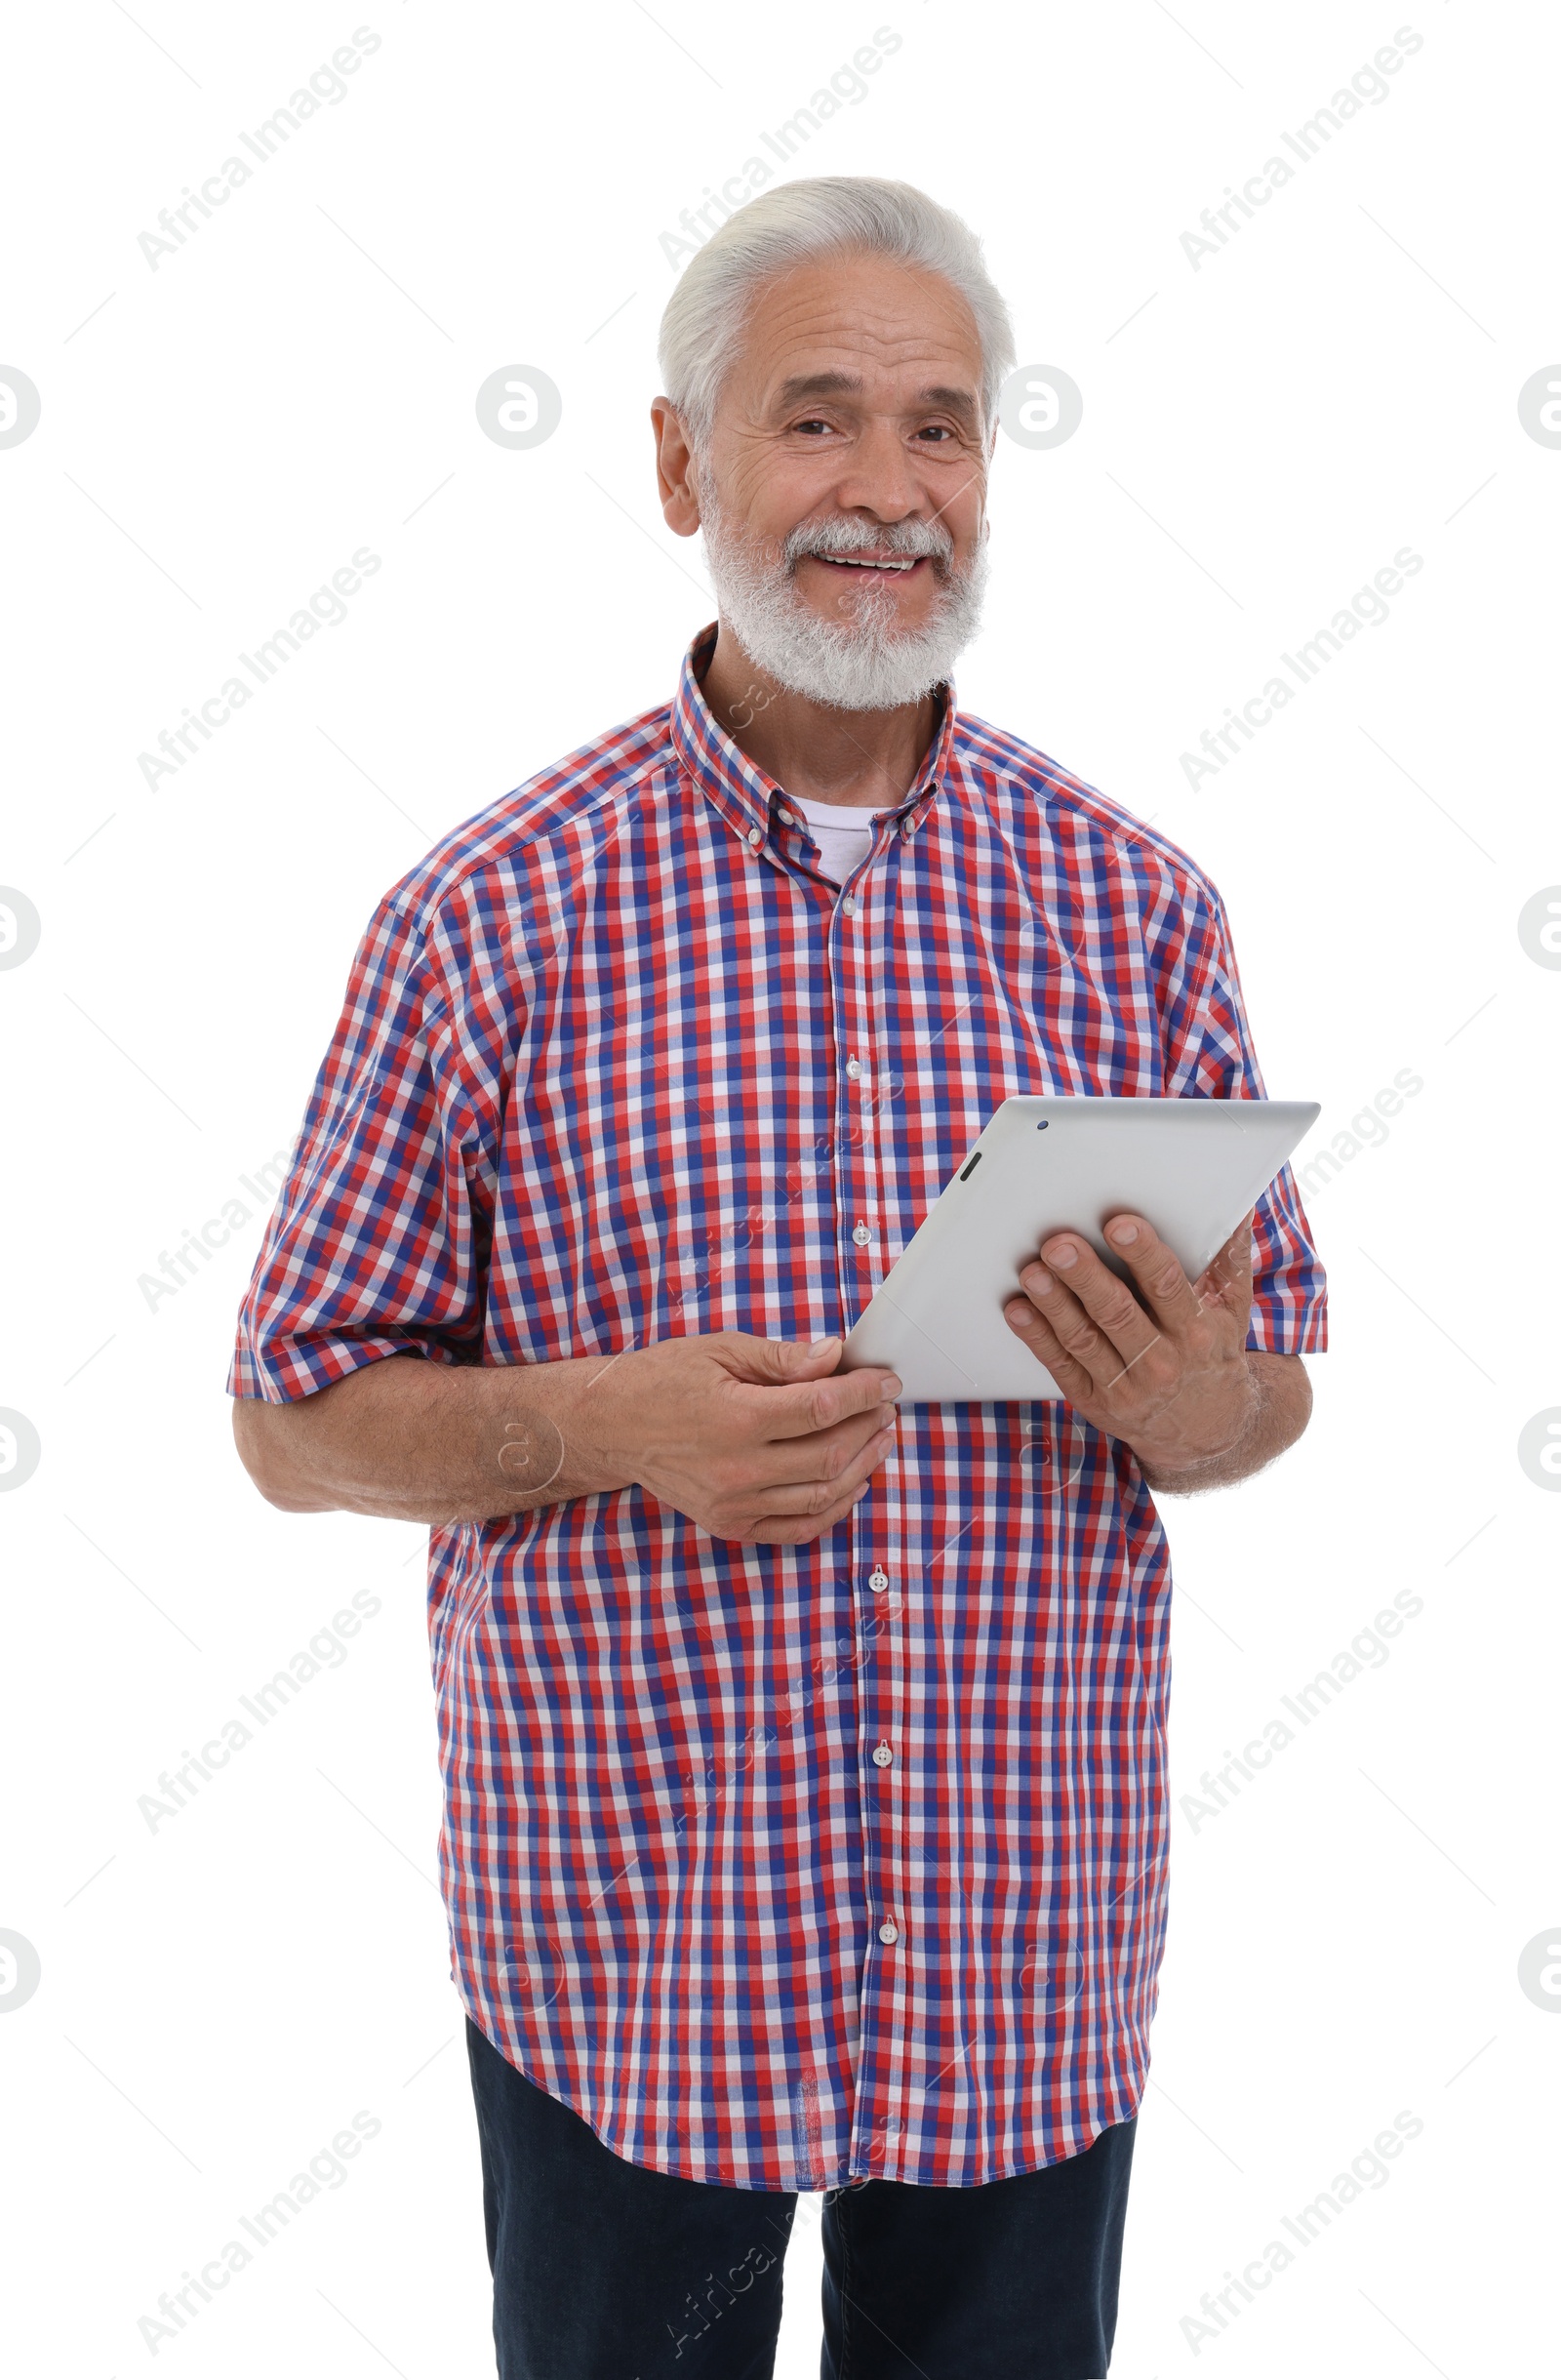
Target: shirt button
(853, 1068)
(755, 837)
(878, 1580)
(862, 1235)
(848, 906)
(889, 1931)
(785, 818)
(881, 1754)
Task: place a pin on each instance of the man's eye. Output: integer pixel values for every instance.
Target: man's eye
(810, 426)
(935, 430)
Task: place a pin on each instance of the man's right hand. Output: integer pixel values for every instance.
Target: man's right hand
(761, 1441)
(758, 1439)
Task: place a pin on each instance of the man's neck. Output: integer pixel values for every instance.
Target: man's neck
(857, 760)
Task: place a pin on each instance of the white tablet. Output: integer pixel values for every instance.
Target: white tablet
(1193, 1167)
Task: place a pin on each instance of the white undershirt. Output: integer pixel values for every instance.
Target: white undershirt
(842, 832)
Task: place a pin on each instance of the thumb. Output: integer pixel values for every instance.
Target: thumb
(781, 1361)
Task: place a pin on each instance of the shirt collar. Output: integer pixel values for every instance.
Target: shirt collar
(747, 798)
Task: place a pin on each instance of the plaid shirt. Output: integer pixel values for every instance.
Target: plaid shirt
(782, 1866)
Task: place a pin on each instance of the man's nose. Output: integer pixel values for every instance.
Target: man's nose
(879, 476)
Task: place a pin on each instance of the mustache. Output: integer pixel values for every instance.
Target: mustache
(908, 539)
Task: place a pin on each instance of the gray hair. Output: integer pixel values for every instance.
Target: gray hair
(835, 215)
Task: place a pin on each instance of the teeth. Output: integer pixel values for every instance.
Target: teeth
(857, 562)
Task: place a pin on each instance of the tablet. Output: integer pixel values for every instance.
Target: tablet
(1193, 1167)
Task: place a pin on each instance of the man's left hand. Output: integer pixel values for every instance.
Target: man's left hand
(1166, 1369)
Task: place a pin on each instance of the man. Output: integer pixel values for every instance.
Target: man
(804, 1757)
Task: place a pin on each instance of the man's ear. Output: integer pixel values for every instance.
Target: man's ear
(676, 474)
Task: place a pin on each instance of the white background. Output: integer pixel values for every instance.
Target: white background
(1259, 436)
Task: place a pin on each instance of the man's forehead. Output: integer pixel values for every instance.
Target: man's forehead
(827, 330)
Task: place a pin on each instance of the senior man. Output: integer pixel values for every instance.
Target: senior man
(804, 1756)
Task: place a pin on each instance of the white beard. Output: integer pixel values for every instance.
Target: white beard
(863, 662)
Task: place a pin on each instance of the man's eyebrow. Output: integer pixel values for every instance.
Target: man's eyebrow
(952, 400)
(845, 383)
(819, 383)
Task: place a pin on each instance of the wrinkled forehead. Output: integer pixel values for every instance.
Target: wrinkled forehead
(856, 330)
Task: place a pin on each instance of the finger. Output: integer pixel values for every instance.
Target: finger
(786, 1387)
(825, 1497)
(784, 1363)
(825, 1454)
(1072, 1376)
(1156, 1271)
(790, 1531)
(771, 1363)
(1091, 1312)
(806, 1407)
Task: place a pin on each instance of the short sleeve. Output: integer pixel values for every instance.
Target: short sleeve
(378, 1242)
(1208, 1054)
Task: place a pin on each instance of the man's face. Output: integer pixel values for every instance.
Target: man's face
(842, 489)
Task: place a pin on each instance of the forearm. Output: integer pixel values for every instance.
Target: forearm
(407, 1440)
(1278, 1413)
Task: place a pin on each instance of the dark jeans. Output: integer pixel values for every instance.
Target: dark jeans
(607, 2270)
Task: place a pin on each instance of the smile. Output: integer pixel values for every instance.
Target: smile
(858, 561)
